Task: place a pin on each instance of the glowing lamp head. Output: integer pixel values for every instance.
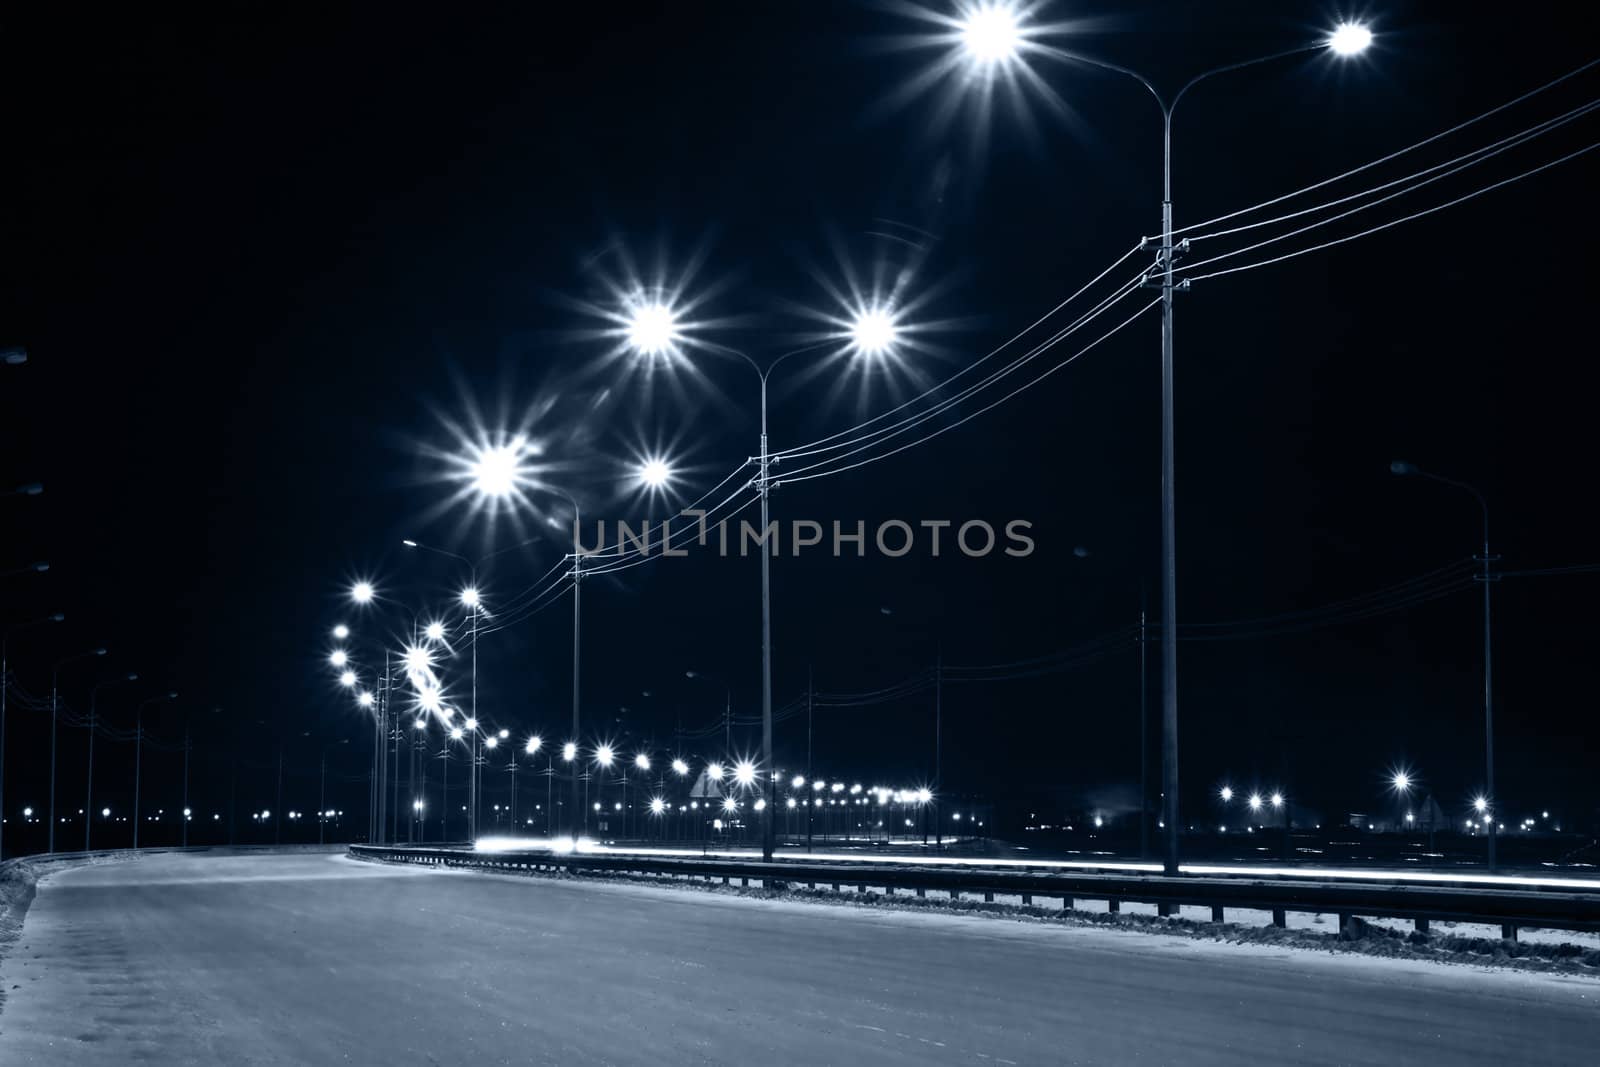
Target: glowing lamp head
(491, 742)
(605, 755)
(1227, 793)
(366, 699)
(714, 770)
(873, 333)
(1402, 781)
(797, 781)
(729, 804)
(418, 658)
(924, 795)
(495, 470)
(362, 592)
(533, 744)
(569, 751)
(657, 805)
(680, 768)
(1480, 804)
(341, 631)
(470, 598)
(652, 329)
(745, 772)
(990, 33)
(339, 657)
(642, 762)
(1255, 801)
(435, 631)
(421, 724)
(1277, 800)
(504, 734)
(347, 679)
(1349, 38)
(655, 473)
(455, 733)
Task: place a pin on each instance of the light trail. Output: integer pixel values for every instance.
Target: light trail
(1512, 881)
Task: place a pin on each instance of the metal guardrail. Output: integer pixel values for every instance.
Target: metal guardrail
(157, 850)
(1421, 904)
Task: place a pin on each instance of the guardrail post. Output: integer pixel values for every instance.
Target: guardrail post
(988, 898)
(1165, 910)
(1279, 919)
(1421, 925)
(861, 887)
(1027, 898)
(1113, 905)
(1508, 931)
(955, 894)
(1066, 903)
(1217, 914)
(921, 892)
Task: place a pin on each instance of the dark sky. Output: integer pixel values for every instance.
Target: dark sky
(262, 260)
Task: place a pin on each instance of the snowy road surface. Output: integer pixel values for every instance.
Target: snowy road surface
(315, 958)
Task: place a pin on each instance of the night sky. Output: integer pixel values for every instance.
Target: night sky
(264, 261)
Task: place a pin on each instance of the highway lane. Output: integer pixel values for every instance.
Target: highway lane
(279, 959)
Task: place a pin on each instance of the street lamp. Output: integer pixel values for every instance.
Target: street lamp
(55, 673)
(5, 672)
(94, 692)
(1404, 469)
(362, 592)
(138, 755)
(992, 35)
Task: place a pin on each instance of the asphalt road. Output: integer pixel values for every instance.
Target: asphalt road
(318, 959)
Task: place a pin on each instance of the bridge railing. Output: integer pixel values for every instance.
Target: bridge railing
(1510, 909)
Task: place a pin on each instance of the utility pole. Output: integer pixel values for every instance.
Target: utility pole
(810, 713)
(277, 822)
(1144, 740)
(186, 747)
(938, 747)
(138, 757)
(322, 794)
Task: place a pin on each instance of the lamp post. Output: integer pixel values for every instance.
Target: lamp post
(1486, 577)
(992, 38)
(88, 807)
(138, 758)
(5, 674)
(55, 674)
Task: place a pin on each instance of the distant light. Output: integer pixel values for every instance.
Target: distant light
(761, 804)
(361, 592)
(1277, 800)
(798, 781)
(657, 805)
(455, 733)
(365, 699)
(341, 631)
(1255, 801)
(471, 724)
(790, 802)
(679, 767)
(105, 812)
(347, 679)
(569, 751)
(421, 724)
(1349, 38)
(652, 329)
(924, 795)
(990, 33)
(504, 734)
(1402, 781)
(435, 631)
(873, 333)
(490, 742)
(418, 658)
(469, 597)
(744, 772)
(604, 755)
(1227, 794)
(729, 804)
(27, 813)
(1480, 804)
(533, 744)
(495, 470)
(714, 770)
(819, 785)
(1098, 821)
(339, 657)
